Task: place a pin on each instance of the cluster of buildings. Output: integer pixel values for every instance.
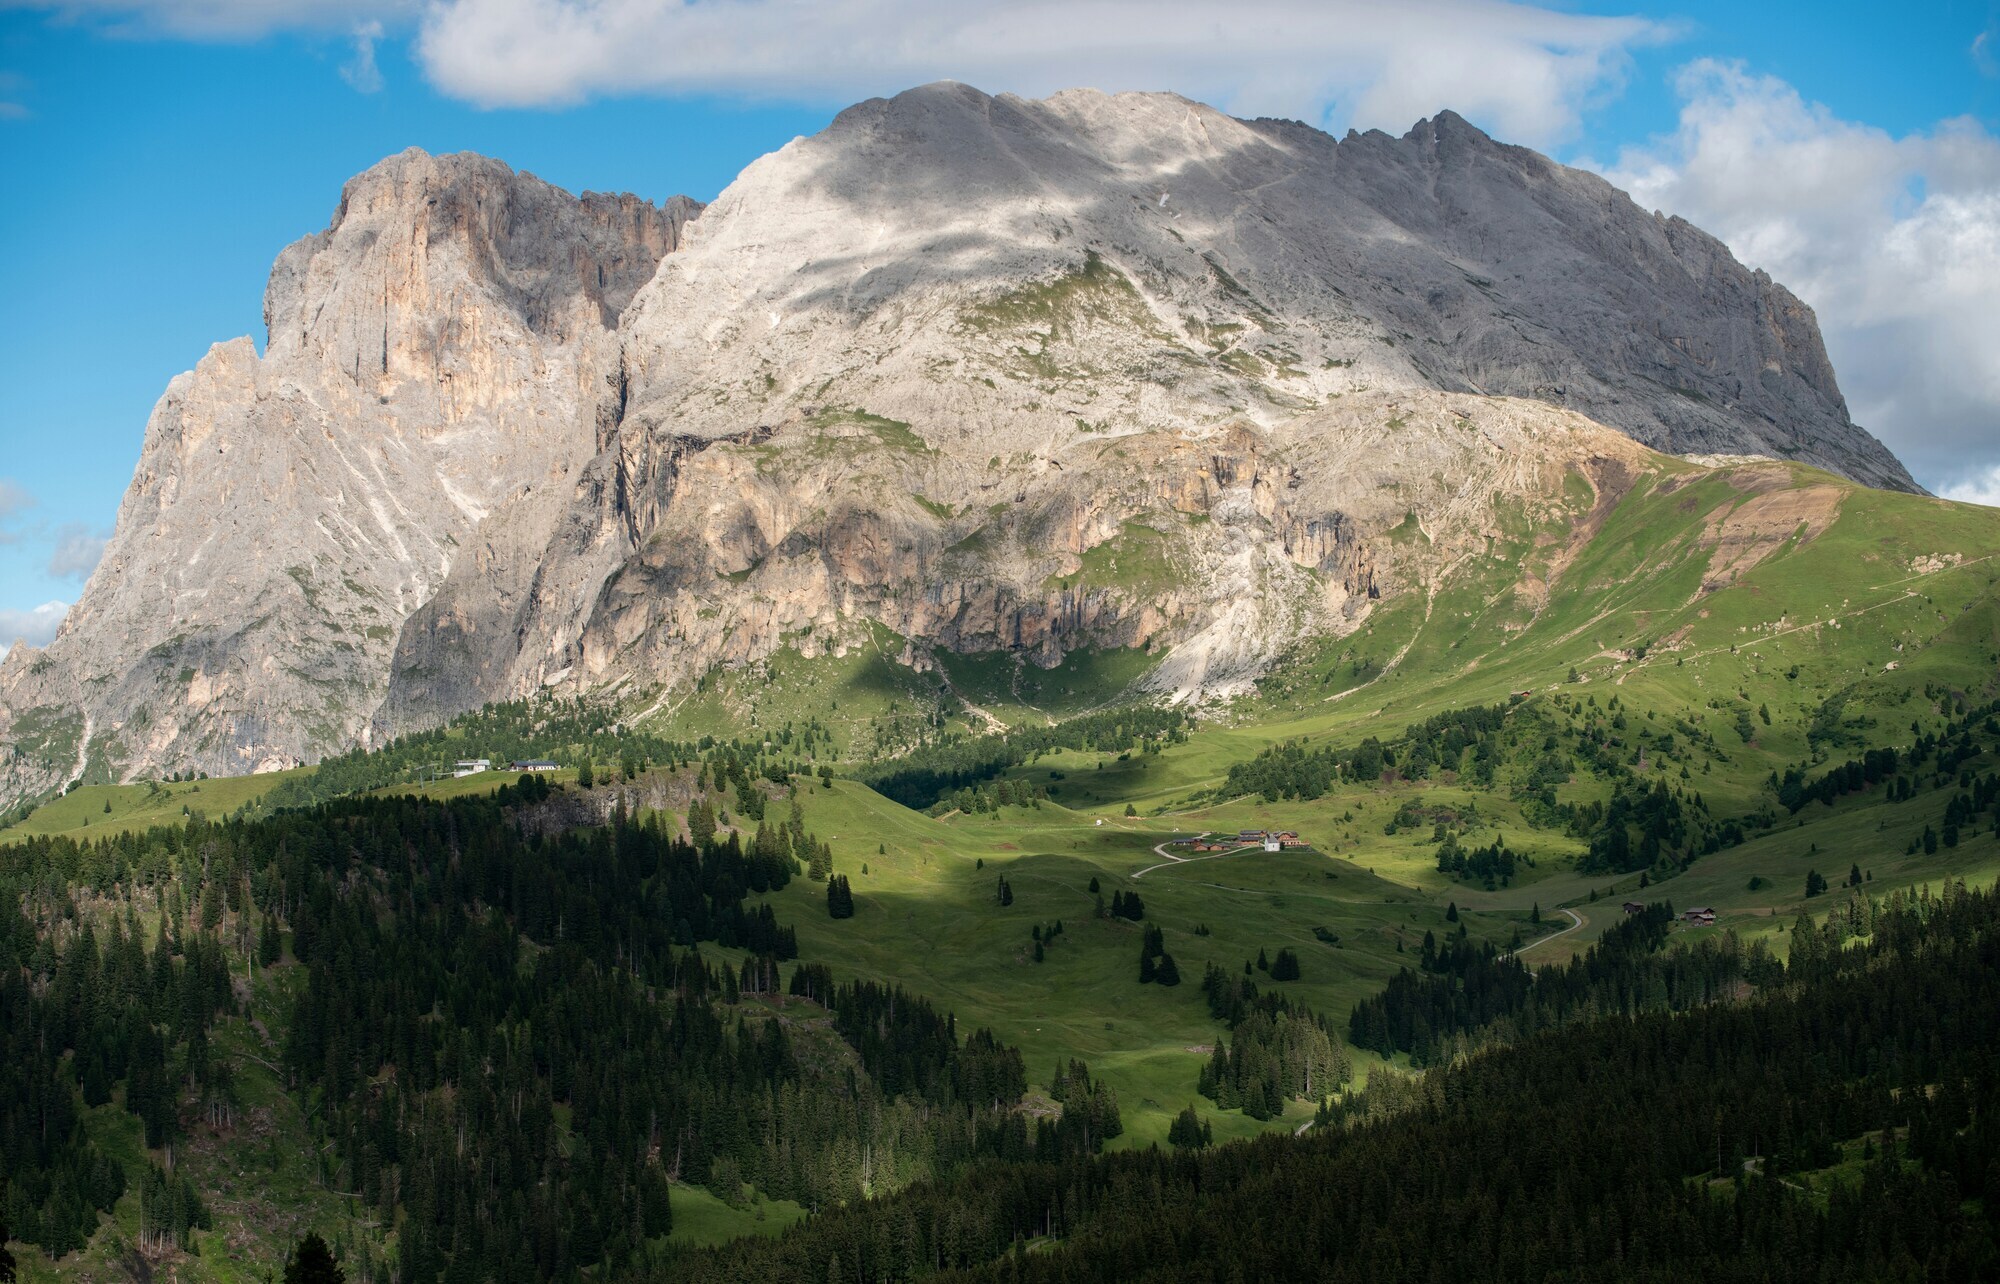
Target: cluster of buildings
(1272, 839)
(1700, 916)
(473, 766)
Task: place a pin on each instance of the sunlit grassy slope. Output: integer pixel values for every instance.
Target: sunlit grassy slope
(1698, 597)
(95, 810)
(1868, 614)
(927, 915)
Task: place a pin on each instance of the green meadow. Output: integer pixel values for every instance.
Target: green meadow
(1724, 657)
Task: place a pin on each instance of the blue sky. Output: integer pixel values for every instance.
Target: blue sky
(159, 153)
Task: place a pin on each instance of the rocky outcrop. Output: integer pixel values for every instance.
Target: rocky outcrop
(431, 381)
(993, 374)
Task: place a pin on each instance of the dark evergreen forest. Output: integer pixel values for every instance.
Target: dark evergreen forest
(1843, 1124)
(508, 1039)
(510, 1035)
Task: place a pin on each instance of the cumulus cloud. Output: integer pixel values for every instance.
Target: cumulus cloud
(221, 19)
(78, 550)
(1523, 69)
(360, 71)
(1894, 241)
(34, 626)
(1526, 70)
(1981, 488)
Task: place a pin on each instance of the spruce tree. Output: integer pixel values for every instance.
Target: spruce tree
(839, 897)
(311, 1262)
(701, 822)
(1189, 1131)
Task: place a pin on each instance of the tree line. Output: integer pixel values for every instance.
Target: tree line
(1837, 1129)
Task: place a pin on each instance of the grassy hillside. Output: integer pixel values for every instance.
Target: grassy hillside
(90, 810)
(927, 915)
(1699, 639)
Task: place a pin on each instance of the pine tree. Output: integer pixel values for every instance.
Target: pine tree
(701, 822)
(312, 1262)
(586, 777)
(1189, 1131)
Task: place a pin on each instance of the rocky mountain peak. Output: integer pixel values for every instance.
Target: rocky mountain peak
(434, 361)
(918, 370)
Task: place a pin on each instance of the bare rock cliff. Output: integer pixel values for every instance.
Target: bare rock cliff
(434, 364)
(994, 374)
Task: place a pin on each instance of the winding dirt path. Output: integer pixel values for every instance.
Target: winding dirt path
(1171, 859)
(1576, 921)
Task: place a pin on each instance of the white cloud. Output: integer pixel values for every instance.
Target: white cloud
(360, 71)
(1524, 70)
(1895, 241)
(221, 19)
(77, 552)
(35, 626)
(1982, 488)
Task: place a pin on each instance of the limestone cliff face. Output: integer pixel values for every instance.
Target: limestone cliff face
(1003, 269)
(990, 373)
(434, 364)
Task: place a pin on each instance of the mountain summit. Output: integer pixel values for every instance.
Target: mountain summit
(986, 373)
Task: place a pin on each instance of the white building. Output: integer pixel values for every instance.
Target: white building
(472, 766)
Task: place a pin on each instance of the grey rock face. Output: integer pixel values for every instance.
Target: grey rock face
(937, 367)
(1292, 266)
(433, 368)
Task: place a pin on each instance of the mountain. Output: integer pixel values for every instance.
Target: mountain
(960, 374)
(434, 360)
